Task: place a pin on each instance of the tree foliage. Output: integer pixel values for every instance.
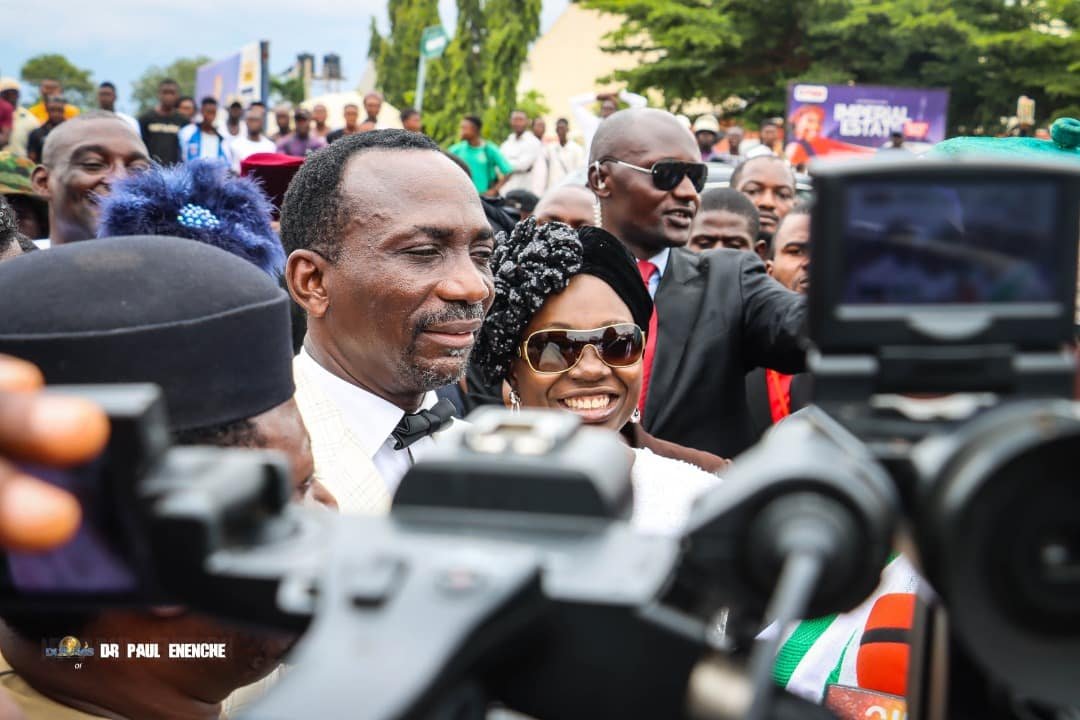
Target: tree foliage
(477, 75)
(512, 26)
(397, 55)
(986, 52)
(182, 70)
(76, 82)
(286, 89)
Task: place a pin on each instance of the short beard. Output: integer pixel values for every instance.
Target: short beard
(426, 379)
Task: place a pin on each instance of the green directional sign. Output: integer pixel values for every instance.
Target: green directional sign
(433, 42)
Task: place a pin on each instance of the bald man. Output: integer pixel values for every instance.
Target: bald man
(571, 205)
(80, 161)
(718, 314)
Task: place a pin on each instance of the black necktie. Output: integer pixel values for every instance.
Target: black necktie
(414, 426)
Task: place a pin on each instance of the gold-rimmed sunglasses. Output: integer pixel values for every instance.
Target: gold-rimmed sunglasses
(551, 352)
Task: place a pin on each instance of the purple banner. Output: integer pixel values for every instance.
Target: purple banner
(858, 119)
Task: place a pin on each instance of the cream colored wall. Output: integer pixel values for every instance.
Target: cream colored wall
(567, 60)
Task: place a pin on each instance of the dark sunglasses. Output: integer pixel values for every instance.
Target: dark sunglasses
(667, 174)
(550, 352)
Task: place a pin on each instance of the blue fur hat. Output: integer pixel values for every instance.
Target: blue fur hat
(199, 201)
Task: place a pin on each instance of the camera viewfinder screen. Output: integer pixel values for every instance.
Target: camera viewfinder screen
(970, 242)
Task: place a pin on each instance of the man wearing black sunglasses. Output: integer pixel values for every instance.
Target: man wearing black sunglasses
(718, 315)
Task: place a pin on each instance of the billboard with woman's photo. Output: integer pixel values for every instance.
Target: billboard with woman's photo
(860, 119)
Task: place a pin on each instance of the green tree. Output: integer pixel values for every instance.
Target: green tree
(986, 52)
(455, 82)
(533, 103)
(396, 56)
(477, 75)
(513, 25)
(288, 89)
(182, 70)
(76, 82)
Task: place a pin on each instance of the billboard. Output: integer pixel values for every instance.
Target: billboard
(858, 119)
(237, 77)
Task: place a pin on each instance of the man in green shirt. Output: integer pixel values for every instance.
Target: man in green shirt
(488, 167)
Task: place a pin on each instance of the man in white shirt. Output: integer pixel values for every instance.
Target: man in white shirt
(609, 105)
(252, 140)
(525, 153)
(106, 97)
(389, 249)
(564, 156)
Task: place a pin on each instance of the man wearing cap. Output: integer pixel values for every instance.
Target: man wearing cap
(80, 161)
(23, 123)
(212, 331)
(388, 255)
(301, 142)
(707, 134)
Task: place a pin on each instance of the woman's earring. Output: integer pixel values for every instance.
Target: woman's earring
(515, 401)
(636, 416)
(598, 218)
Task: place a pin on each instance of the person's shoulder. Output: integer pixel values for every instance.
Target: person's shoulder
(457, 147)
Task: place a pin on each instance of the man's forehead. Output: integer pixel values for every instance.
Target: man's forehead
(794, 228)
(768, 172)
(408, 184)
(723, 219)
(112, 136)
(656, 139)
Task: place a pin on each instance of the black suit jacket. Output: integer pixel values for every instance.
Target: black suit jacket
(719, 317)
(757, 399)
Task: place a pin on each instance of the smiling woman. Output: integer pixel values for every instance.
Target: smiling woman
(565, 332)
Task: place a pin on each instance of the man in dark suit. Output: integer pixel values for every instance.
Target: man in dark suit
(772, 395)
(718, 315)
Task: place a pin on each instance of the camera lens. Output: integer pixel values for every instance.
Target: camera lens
(1003, 543)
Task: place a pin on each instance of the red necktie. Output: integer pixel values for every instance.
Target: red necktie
(647, 270)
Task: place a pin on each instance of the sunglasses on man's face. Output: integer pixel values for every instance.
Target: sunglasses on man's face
(550, 352)
(667, 174)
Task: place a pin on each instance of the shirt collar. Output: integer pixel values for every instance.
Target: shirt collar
(660, 260)
(370, 417)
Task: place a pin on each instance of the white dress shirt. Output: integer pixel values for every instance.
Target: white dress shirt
(563, 160)
(660, 260)
(372, 419)
(525, 154)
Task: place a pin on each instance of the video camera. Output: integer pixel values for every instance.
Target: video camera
(506, 572)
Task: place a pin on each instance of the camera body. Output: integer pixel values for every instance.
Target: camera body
(941, 312)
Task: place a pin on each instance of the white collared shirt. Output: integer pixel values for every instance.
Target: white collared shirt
(526, 154)
(660, 260)
(372, 419)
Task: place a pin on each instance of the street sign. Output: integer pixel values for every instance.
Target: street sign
(433, 42)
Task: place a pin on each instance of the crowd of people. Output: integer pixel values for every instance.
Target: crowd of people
(415, 289)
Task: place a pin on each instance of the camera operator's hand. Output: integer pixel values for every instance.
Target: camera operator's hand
(45, 430)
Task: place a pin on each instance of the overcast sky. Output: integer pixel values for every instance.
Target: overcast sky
(119, 39)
